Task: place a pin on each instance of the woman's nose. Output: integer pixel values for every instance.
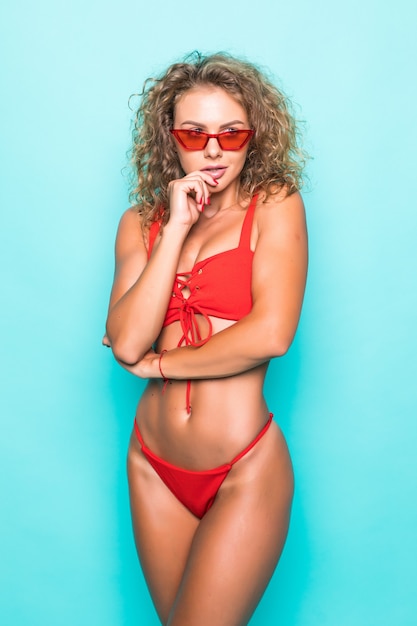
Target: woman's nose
(213, 147)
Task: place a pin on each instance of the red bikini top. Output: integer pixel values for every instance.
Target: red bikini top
(219, 286)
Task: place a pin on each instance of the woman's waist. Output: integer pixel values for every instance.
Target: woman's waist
(224, 418)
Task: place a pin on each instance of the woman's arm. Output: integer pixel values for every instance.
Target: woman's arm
(142, 288)
(278, 283)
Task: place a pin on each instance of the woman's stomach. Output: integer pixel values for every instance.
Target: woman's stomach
(226, 413)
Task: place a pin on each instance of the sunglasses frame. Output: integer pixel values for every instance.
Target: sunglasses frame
(207, 136)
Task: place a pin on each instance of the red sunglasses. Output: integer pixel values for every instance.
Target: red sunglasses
(197, 140)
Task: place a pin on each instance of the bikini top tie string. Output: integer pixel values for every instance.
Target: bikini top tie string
(191, 335)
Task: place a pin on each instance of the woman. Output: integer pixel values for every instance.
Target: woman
(209, 282)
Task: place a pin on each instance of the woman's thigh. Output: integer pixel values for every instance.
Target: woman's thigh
(163, 530)
(238, 543)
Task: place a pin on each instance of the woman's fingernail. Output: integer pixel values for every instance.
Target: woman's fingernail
(208, 201)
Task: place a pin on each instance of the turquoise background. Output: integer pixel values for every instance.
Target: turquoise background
(345, 395)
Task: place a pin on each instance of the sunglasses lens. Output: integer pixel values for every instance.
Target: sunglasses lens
(234, 139)
(192, 139)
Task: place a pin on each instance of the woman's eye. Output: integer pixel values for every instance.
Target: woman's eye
(195, 131)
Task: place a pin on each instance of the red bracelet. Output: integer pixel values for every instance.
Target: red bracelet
(164, 378)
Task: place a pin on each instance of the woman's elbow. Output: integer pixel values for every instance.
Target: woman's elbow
(278, 341)
(124, 352)
(127, 348)
(279, 347)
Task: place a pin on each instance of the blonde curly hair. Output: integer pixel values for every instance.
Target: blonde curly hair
(274, 159)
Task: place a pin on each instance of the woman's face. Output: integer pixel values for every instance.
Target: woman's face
(211, 110)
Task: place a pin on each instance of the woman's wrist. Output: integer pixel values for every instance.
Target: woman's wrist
(175, 364)
(164, 378)
(175, 230)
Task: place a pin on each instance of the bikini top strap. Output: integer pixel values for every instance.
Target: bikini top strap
(247, 223)
(244, 235)
(153, 233)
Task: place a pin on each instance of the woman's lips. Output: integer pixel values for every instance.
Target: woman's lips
(216, 172)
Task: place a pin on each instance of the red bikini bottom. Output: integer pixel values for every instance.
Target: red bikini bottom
(195, 489)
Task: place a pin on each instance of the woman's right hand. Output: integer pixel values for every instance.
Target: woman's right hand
(187, 197)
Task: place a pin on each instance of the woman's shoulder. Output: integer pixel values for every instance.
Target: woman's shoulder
(131, 217)
(277, 196)
(278, 206)
(130, 233)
